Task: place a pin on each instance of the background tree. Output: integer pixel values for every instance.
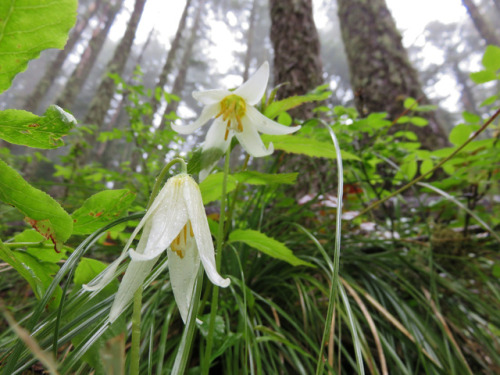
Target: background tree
(102, 99)
(482, 25)
(381, 74)
(297, 61)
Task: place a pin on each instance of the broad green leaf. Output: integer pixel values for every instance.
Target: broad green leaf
(267, 245)
(211, 187)
(275, 108)
(285, 119)
(42, 212)
(408, 169)
(27, 129)
(419, 121)
(28, 27)
(306, 146)
(101, 209)
(410, 103)
(257, 178)
(483, 76)
(471, 118)
(489, 101)
(491, 58)
(38, 247)
(36, 273)
(460, 133)
(426, 166)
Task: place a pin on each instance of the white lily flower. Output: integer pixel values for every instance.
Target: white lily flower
(235, 115)
(176, 220)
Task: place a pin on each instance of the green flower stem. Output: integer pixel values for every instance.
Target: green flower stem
(422, 176)
(135, 352)
(215, 292)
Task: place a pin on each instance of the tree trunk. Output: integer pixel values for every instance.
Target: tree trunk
(102, 99)
(466, 94)
(250, 41)
(180, 79)
(381, 74)
(482, 25)
(54, 68)
(297, 61)
(172, 53)
(80, 74)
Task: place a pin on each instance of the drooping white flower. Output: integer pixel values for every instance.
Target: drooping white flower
(235, 115)
(175, 221)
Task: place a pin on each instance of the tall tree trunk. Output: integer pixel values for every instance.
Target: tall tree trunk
(250, 41)
(172, 53)
(43, 86)
(297, 61)
(80, 74)
(483, 27)
(466, 94)
(381, 74)
(497, 4)
(180, 79)
(102, 99)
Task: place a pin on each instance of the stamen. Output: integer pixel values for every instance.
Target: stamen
(191, 233)
(185, 233)
(240, 125)
(227, 133)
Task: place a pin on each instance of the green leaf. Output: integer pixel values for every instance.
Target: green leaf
(489, 101)
(483, 76)
(257, 178)
(211, 187)
(426, 166)
(101, 209)
(306, 146)
(285, 119)
(36, 273)
(267, 245)
(491, 58)
(471, 118)
(410, 103)
(419, 121)
(27, 28)
(27, 129)
(275, 108)
(460, 133)
(42, 211)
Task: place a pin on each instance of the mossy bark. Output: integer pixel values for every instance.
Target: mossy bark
(297, 61)
(381, 74)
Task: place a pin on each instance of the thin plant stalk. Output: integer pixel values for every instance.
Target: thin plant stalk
(336, 256)
(215, 291)
(135, 349)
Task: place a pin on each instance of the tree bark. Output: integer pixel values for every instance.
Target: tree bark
(43, 86)
(297, 61)
(180, 79)
(482, 25)
(380, 72)
(102, 99)
(172, 53)
(250, 41)
(75, 83)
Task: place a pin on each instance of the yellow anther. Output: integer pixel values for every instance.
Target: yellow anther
(232, 109)
(178, 245)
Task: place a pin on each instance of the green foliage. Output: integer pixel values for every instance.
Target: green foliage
(24, 128)
(101, 209)
(267, 245)
(41, 211)
(29, 27)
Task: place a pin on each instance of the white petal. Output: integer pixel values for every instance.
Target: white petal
(107, 275)
(215, 139)
(253, 89)
(210, 96)
(136, 273)
(201, 232)
(168, 220)
(266, 125)
(207, 113)
(183, 273)
(251, 142)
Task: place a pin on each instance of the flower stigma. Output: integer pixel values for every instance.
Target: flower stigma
(232, 107)
(179, 244)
